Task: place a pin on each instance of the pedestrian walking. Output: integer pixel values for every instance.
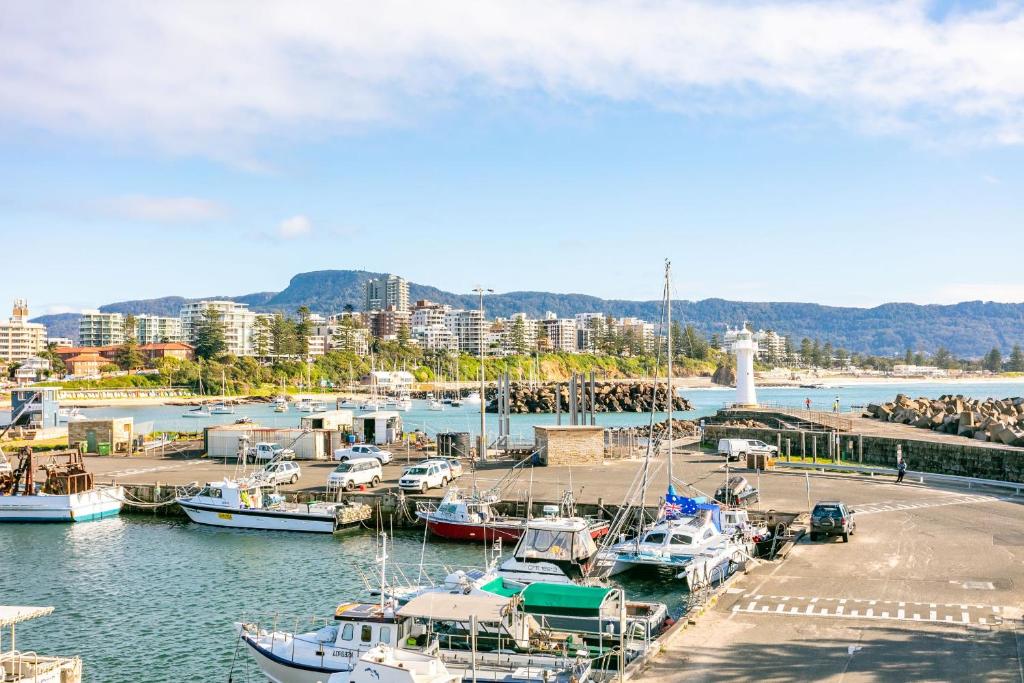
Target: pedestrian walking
(901, 469)
(835, 405)
(807, 402)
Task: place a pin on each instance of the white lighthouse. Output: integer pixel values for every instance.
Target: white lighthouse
(741, 342)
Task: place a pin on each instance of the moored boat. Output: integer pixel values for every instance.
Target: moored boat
(250, 504)
(68, 493)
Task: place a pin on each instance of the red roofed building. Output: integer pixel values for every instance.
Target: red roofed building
(167, 350)
(67, 352)
(85, 364)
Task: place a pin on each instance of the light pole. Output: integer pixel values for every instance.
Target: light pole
(481, 451)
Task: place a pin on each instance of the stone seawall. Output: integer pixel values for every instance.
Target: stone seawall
(966, 460)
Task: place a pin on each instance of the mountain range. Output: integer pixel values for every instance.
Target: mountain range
(967, 329)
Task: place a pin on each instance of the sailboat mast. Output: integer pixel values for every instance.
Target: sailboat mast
(669, 397)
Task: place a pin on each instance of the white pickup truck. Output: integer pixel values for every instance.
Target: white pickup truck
(265, 452)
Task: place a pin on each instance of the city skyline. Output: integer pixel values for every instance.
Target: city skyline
(772, 153)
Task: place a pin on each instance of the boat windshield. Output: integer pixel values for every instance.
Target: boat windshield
(681, 539)
(655, 537)
(211, 492)
(556, 544)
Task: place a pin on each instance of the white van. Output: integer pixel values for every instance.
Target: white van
(353, 473)
(737, 449)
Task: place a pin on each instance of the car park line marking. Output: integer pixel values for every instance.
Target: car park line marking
(933, 615)
(901, 614)
(981, 615)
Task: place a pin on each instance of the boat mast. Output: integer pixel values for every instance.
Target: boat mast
(383, 566)
(669, 398)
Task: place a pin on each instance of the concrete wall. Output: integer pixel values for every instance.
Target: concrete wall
(570, 445)
(966, 460)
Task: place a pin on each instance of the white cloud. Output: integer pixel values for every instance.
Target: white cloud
(294, 227)
(160, 209)
(216, 77)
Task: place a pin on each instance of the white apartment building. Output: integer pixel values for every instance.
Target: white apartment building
(429, 314)
(239, 323)
(434, 338)
(154, 329)
(468, 327)
(20, 339)
(100, 329)
(561, 333)
(589, 327)
(771, 347)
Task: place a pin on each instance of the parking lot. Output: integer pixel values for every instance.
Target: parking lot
(930, 587)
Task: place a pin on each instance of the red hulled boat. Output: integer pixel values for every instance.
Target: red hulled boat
(459, 517)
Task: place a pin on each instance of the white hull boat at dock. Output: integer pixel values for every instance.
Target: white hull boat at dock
(30, 667)
(103, 501)
(243, 504)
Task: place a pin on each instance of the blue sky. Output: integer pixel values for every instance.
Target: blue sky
(846, 154)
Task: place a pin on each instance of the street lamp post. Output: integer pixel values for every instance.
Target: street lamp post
(481, 451)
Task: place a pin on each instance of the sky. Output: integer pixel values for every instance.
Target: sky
(845, 153)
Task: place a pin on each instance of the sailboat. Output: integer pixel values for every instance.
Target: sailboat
(202, 410)
(687, 537)
(222, 407)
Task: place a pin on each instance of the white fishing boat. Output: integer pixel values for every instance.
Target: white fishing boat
(31, 667)
(250, 504)
(70, 415)
(434, 404)
(304, 405)
(281, 408)
(552, 550)
(68, 493)
(472, 399)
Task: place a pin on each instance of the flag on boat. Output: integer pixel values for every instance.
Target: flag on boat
(678, 506)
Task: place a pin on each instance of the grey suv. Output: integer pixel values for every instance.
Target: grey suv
(832, 518)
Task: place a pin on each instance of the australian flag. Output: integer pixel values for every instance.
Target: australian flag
(678, 506)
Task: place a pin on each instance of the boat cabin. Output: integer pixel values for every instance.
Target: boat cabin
(456, 507)
(235, 495)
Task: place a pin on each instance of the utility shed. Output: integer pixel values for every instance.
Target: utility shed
(102, 436)
(569, 444)
(379, 427)
(328, 419)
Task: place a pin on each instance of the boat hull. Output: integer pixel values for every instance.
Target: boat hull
(265, 520)
(94, 504)
(455, 531)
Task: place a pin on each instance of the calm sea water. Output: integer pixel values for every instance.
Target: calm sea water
(466, 418)
(154, 600)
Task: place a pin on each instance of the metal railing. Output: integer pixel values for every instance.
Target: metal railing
(819, 418)
(970, 482)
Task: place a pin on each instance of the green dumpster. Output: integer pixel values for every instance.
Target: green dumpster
(103, 448)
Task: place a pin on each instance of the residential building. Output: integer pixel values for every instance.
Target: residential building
(905, 370)
(391, 380)
(771, 347)
(589, 327)
(639, 329)
(435, 338)
(429, 314)
(239, 324)
(60, 341)
(386, 323)
(160, 350)
(351, 339)
(85, 364)
(560, 333)
(31, 369)
(100, 329)
(66, 352)
(156, 329)
(19, 338)
(382, 292)
(468, 327)
(316, 345)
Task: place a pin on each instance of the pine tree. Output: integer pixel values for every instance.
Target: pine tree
(303, 329)
(127, 356)
(806, 352)
(209, 335)
(1016, 362)
(993, 361)
(517, 336)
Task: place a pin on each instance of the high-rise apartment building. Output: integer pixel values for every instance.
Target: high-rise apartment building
(20, 339)
(239, 323)
(468, 327)
(382, 292)
(100, 329)
(156, 329)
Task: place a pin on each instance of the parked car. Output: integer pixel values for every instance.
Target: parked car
(832, 518)
(425, 476)
(355, 472)
(280, 472)
(737, 449)
(363, 451)
(453, 464)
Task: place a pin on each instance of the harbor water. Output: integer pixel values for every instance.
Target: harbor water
(143, 599)
(467, 418)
